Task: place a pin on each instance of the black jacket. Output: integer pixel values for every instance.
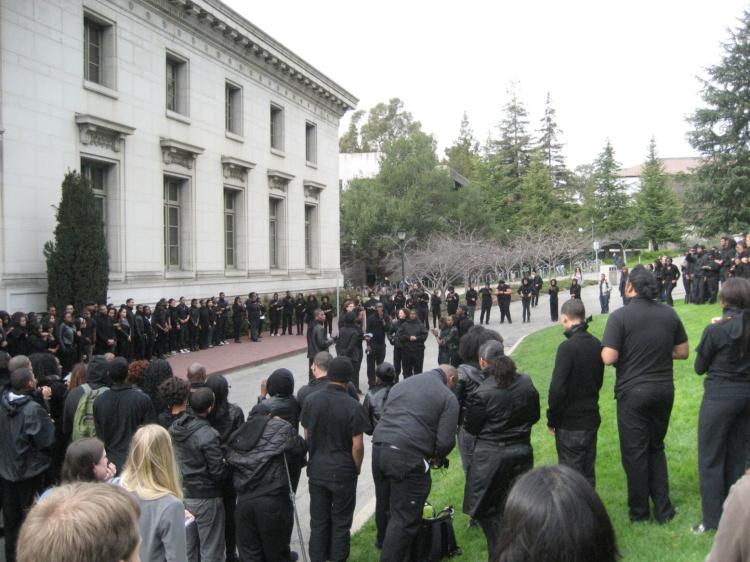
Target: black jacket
(317, 339)
(319, 384)
(374, 403)
(410, 328)
(118, 414)
(576, 381)
(226, 420)
(469, 379)
(197, 446)
(26, 437)
(378, 327)
(502, 415)
(255, 455)
(285, 407)
(349, 343)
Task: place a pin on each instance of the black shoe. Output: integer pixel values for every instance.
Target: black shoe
(293, 556)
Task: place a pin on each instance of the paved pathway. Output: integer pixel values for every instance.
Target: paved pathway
(245, 387)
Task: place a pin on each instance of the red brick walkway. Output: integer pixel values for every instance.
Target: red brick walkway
(234, 356)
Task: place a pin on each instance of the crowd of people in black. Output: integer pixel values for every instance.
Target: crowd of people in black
(209, 484)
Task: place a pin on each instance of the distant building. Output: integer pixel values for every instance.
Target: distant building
(211, 147)
(677, 170)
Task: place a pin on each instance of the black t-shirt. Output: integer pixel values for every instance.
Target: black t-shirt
(332, 418)
(644, 333)
(486, 293)
(471, 297)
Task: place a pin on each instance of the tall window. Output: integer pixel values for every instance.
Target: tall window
(96, 174)
(172, 188)
(309, 220)
(92, 51)
(274, 206)
(177, 84)
(311, 143)
(230, 228)
(277, 127)
(233, 110)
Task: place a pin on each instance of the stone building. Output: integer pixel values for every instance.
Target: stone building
(212, 149)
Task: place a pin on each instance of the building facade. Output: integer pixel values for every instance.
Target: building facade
(211, 148)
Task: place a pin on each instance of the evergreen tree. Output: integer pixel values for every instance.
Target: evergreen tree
(611, 210)
(349, 141)
(540, 205)
(77, 262)
(658, 210)
(550, 147)
(463, 153)
(720, 200)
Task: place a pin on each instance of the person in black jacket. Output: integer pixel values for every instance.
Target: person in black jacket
(536, 287)
(17, 335)
(377, 395)
(199, 455)
(105, 333)
(119, 413)
(553, 299)
(624, 274)
(317, 338)
(471, 301)
(573, 414)
(435, 304)
(258, 454)
(504, 294)
(239, 316)
(26, 437)
(349, 343)
(327, 308)
(282, 404)
(500, 415)
(287, 313)
(670, 276)
(712, 270)
(320, 364)
(575, 289)
(299, 313)
(526, 292)
(412, 335)
(486, 300)
(254, 315)
(723, 354)
(393, 339)
(378, 325)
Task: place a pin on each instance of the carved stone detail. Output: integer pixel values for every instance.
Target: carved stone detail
(176, 156)
(102, 132)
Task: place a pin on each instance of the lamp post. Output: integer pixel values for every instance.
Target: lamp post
(402, 246)
(354, 251)
(593, 244)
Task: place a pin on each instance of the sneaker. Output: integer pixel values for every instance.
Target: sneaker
(700, 529)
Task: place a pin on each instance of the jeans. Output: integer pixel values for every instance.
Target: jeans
(642, 421)
(209, 544)
(266, 524)
(577, 449)
(604, 303)
(470, 310)
(723, 433)
(401, 487)
(526, 310)
(331, 514)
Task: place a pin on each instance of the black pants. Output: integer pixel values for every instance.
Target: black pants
(300, 320)
(526, 310)
(505, 313)
(218, 335)
(237, 329)
(577, 449)
(397, 360)
(435, 317)
(668, 288)
(266, 524)
(534, 299)
(174, 338)
(401, 488)
(723, 434)
(642, 421)
(712, 288)
(374, 358)
(254, 327)
(286, 325)
(699, 290)
(194, 337)
(687, 285)
(17, 499)
(329, 324)
(411, 362)
(484, 315)
(553, 307)
(331, 514)
(275, 323)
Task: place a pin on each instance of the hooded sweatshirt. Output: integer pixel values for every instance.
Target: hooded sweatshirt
(96, 377)
(199, 455)
(26, 436)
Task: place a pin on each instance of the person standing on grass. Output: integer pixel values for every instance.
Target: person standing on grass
(334, 424)
(724, 423)
(641, 340)
(604, 291)
(573, 414)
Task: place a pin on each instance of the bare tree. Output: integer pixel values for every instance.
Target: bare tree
(624, 239)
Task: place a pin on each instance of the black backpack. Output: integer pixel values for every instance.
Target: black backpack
(435, 539)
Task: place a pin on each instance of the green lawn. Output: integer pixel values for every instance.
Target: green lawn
(646, 542)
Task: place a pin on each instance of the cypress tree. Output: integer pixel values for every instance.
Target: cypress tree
(77, 261)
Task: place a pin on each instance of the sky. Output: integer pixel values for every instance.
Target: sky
(618, 70)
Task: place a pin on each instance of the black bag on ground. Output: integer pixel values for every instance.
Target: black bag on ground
(435, 539)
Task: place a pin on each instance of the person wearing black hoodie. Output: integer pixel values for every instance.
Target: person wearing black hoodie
(200, 457)
(258, 454)
(378, 324)
(226, 418)
(349, 343)
(26, 437)
(573, 414)
(119, 413)
(282, 403)
(412, 335)
(17, 335)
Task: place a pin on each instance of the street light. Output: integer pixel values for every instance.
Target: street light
(402, 245)
(593, 244)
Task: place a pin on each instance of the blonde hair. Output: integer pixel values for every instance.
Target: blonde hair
(81, 521)
(151, 469)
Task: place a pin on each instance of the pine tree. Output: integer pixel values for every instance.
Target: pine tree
(540, 205)
(77, 262)
(550, 147)
(720, 201)
(612, 210)
(658, 210)
(514, 146)
(463, 153)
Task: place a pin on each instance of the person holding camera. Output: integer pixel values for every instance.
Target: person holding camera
(416, 429)
(500, 414)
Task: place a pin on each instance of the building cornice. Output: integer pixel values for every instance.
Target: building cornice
(279, 175)
(101, 132)
(224, 25)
